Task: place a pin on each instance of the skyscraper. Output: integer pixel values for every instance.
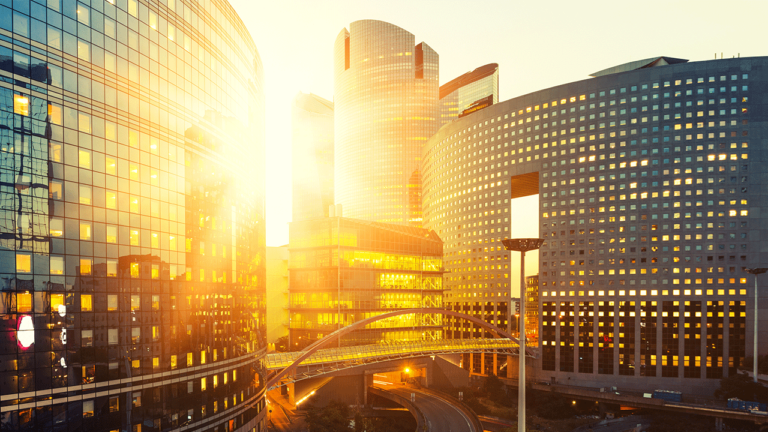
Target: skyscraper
(651, 200)
(386, 101)
(312, 156)
(470, 92)
(131, 217)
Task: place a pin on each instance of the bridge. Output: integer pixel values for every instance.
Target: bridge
(331, 360)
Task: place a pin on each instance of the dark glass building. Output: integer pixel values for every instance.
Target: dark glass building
(371, 268)
(131, 217)
(651, 200)
(470, 92)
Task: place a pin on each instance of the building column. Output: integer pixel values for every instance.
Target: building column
(719, 424)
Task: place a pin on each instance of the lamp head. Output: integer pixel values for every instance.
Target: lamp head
(755, 271)
(522, 244)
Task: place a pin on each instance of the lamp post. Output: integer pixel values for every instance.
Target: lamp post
(522, 246)
(755, 271)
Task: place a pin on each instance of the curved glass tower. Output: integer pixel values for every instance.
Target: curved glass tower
(386, 103)
(131, 221)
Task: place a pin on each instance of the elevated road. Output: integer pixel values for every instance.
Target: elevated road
(440, 414)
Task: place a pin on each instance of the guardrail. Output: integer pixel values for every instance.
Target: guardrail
(421, 419)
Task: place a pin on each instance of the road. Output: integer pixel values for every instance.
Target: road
(441, 416)
(278, 421)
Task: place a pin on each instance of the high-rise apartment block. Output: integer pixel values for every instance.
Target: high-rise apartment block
(651, 201)
(468, 93)
(312, 156)
(344, 270)
(386, 108)
(131, 217)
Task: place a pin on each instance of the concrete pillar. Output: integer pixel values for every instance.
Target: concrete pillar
(719, 424)
(471, 363)
(495, 364)
(509, 367)
(367, 382)
(602, 408)
(482, 363)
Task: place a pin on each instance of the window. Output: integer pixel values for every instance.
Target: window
(83, 14)
(85, 230)
(112, 336)
(110, 166)
(57, 265)
(135, 335)
(23, 263)
(24, 303)
(134, 172)
(83, 51)
(111, 268)
(85, 266)
(111, 234)
(84, 159)
(56, 228)
(21, 104)
(112, 302)
(86, 303)
(86, 338)
(134, 204)
(174, 363)
(134, 270)
(111, 200)
(134, 237)
(135, 302)
(87, 405)
(55, 190)
(114, 404)
(85, 194)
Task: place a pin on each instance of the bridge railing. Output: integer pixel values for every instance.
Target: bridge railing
(363, 352)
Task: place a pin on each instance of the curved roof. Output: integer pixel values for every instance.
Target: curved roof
(467, 78)
(639, 64)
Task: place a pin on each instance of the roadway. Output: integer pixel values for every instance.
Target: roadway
(441, 415)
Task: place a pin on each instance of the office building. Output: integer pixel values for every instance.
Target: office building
(371, 268)
(650, 202)
(386, 108)
(470, 92)
(532, 308)
(277, 293)
(312, 156)
(131, 217)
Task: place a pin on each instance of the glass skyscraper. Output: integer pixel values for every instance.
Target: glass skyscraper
(651, 201)
(470, 92)
(311, 156)
(386, 103)
(132, 236)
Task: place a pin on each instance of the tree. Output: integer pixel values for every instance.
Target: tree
(743, 387)
(493, 388)
(333, 418)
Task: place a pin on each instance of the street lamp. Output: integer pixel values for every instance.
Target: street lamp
(755, 271)
(522, 246)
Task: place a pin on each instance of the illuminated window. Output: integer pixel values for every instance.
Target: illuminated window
(114, 404)
(85, 266)
(24, 303)
(135, 302)
(85, 230)
(134, 270)
(136, 335)
(56, 115)
(23, 263)
(203, 385)
(21, 104)
(174, 364)
(57, 265)
(87, 404)
(56, 228)
(134, 172)
(111, 166)
(189, 359)
(202, 357)
(154, 240)
(111, 234)
(134, 237)
(134, 204)
(83, 14)
(172, 242)
(112, 302)
(154, 177)
(85, 194)
(56, 301)
(111, 200)
(84, 158)
(86, 303)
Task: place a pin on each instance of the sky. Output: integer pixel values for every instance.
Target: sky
(537, 44)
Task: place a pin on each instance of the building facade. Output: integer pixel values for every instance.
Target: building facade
(386, 107)
(277, 294)
(650, 200)
(131, 217)
(470, 92)
(311, 156)
(370, 269)
(532, 308)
